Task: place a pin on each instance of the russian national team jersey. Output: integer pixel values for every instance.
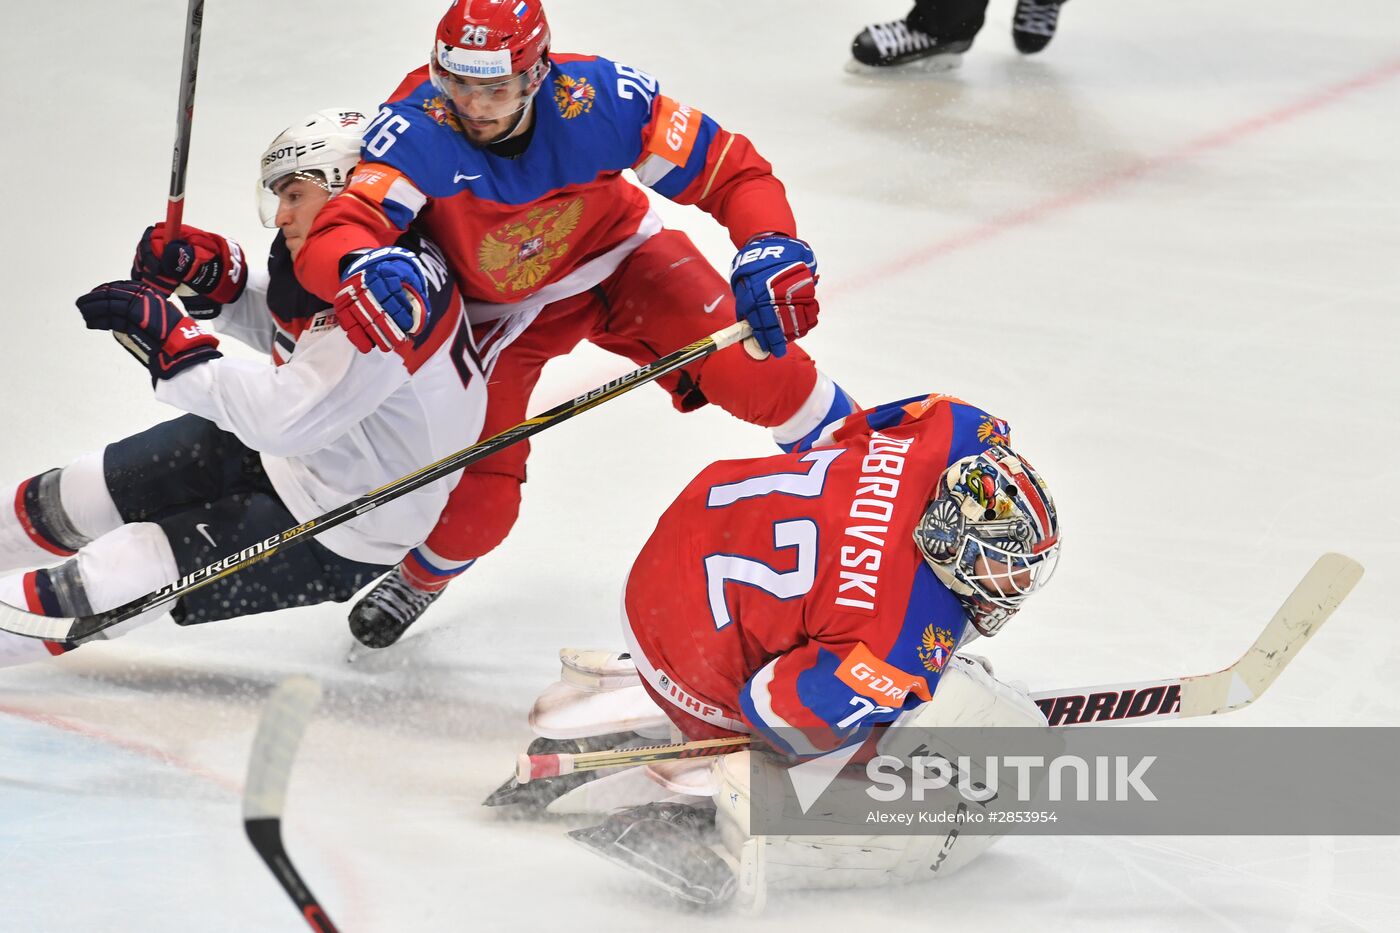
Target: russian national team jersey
(512, 226)
(788, 591)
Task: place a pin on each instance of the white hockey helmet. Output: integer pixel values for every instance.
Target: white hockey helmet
(991, 534)
(322, 147)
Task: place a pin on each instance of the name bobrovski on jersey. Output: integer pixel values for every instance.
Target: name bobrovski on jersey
(873, 505)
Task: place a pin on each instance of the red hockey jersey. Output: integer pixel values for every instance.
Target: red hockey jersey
(786, 593)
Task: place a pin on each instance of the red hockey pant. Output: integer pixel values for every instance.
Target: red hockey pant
(655, 303)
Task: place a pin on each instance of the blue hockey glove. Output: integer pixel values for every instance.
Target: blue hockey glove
(774, 280)
(381, 301)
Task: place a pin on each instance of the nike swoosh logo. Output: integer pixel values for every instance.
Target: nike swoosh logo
(460, 177)
(203, 529)
(714, 304)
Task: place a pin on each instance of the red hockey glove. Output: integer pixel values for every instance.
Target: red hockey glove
(210, 265)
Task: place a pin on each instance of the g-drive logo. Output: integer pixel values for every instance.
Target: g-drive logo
(980, 779)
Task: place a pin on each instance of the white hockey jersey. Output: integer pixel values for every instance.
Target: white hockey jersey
(332, 423)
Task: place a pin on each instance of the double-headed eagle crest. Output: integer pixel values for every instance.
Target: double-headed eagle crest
(520, 255)
(936, 648)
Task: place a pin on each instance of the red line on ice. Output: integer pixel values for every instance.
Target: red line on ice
(1037, 212)
(346, 875)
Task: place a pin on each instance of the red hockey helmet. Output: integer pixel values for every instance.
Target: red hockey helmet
(491, 38)
(489, 62)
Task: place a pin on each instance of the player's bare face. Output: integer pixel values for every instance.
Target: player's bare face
(299, 200)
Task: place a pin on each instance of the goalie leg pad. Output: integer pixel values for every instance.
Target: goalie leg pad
(780, 863)
(967, 695)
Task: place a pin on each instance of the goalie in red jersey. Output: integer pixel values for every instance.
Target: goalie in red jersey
(804, 599)
(510, 156)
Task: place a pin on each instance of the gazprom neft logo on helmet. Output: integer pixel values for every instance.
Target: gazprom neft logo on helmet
(474, 63)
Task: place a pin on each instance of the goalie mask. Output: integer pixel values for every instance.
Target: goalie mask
(322, 147)
(991, 534)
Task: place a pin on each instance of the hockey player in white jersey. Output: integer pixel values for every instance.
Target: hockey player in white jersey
(264, 446)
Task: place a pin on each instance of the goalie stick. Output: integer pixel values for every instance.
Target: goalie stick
(533, 767)
(280, 729)
(1309, 605)
(59, 628)
(1297, 620)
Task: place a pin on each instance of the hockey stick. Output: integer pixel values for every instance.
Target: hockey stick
(180, 154)
(1297, 620)
(58, 628)
(284, 719)
(1309, 605)
(184, 117)
(533, 767)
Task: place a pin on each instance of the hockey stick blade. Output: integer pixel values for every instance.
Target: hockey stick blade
(280, 729)
(1309, 605)
(63, 629)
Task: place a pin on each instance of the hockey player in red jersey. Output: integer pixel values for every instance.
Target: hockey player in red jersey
(263, 446)
(511, 156)
(768, 583)
(804, 599)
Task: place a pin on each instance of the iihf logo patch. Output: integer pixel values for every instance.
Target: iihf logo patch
(573, 96)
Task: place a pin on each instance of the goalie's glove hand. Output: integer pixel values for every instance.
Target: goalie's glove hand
(155, 331)
(209, 265)
(381, 302)
(775, 280)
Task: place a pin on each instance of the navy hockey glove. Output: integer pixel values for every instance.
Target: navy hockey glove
(153, 330)
(211, 266)
(775, 280)
(381, 301)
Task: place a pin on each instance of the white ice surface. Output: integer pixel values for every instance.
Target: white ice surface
(1165, 250)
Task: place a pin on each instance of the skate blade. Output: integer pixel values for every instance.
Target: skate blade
(934, 64)
(358, 651)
